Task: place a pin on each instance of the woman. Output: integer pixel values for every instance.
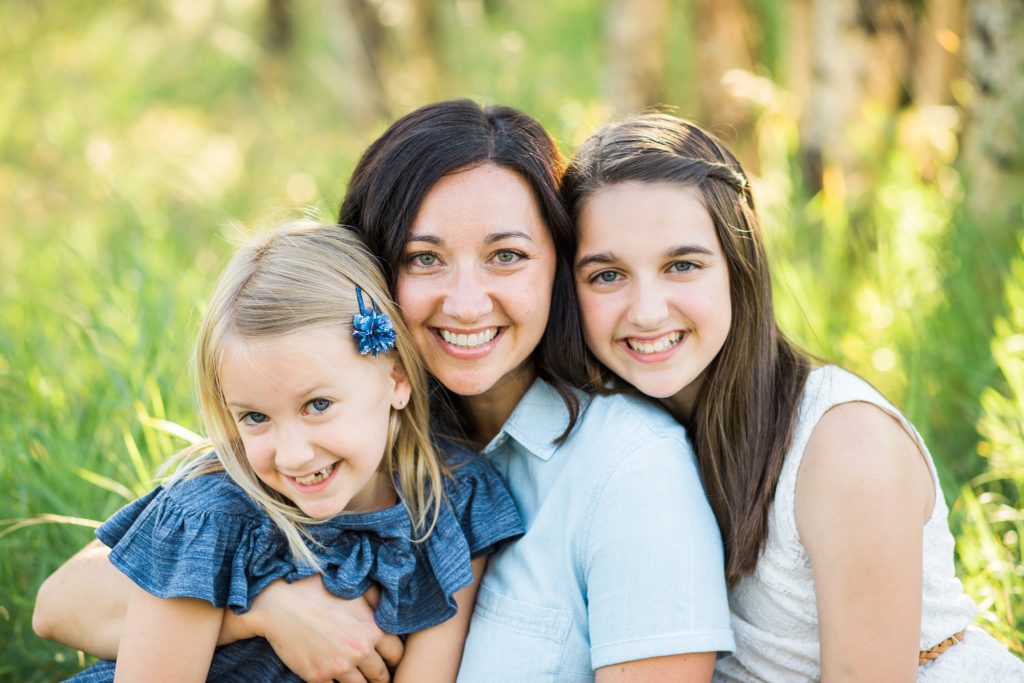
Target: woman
(837, 549)
(619, 575)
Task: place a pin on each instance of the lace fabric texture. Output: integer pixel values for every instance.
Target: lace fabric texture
(774, 613)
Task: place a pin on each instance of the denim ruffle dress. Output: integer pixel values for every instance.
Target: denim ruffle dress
(205, 538)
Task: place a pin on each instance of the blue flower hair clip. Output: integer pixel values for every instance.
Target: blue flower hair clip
(372, 328)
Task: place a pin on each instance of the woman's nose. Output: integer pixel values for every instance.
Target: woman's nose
(467, 298)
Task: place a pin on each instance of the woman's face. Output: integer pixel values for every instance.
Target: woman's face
(475, 282)
(653, 287)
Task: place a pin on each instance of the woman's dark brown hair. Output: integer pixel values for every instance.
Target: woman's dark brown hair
(400, 167)
(743, 421)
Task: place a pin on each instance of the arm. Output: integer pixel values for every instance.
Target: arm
(686, 667)
(156, 634)
(83, 603)
(863, 494)
(317, 635)
(655, 581)
(435, 654)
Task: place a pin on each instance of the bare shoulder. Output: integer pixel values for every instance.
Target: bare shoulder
(859, 458)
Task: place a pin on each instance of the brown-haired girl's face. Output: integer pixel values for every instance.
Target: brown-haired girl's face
(476, 279)
(653, 286)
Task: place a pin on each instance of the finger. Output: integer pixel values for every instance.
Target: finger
(353, 676)
(374, 669)
(391, 649)
(372, 596)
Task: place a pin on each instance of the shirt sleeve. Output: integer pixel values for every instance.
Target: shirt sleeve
(653, 560)
(200, 538)
(483, 506)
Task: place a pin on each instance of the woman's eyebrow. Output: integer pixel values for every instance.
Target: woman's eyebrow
(429, 239)
(603, 259)
(511, 234)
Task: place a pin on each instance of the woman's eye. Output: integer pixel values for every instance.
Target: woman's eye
(253, 419)
(319, 405)
(424, 259)
(508, 256)
(605, 277)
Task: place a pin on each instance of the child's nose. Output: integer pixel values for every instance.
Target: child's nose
(294, 450)
(648, 306)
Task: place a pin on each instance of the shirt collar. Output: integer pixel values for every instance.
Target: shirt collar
(539, 418)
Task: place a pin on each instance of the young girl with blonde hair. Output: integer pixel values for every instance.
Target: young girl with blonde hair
(838, 555)
(315, 403)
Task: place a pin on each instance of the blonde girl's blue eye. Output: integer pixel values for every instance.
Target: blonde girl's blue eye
(319, 405)
(253, 419)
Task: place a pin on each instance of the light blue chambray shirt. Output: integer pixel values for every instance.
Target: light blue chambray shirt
(622, 558)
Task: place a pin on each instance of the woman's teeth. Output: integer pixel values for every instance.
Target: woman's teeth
(657, 346)
(469, 341)
(317, 476)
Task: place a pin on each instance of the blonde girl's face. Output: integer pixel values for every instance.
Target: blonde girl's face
(653, 287)
(313, 417)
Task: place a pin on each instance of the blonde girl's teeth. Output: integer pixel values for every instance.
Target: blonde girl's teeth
(313, 478)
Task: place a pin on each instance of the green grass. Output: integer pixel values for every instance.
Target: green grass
(135, 139)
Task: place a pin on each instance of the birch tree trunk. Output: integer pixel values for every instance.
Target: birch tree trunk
(635, 36)
(859, 51)
(725, 40)
(936, 64)
(993, 146)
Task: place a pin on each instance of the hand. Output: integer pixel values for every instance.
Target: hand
(319, 636)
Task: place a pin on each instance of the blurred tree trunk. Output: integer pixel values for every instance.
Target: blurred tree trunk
(859, 52)
(280, 27)
(935, 62)
(993, 147)
(356, 80)
(634, 31)
(425, 48)
(726, 39)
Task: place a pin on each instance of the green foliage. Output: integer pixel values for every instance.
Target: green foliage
(989, 518)
(136, 139)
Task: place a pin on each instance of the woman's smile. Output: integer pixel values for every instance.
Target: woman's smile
(475, 284)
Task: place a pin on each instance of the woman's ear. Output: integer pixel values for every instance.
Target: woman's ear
(403, 387)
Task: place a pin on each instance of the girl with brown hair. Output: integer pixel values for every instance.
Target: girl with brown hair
(838, 555)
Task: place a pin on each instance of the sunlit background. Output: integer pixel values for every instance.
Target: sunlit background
(139, 140)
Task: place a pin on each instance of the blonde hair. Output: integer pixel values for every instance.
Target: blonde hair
(299, 276)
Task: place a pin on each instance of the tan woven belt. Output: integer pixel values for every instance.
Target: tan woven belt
(936, 650)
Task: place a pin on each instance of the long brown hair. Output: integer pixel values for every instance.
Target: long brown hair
(746, 409)
(400, 167)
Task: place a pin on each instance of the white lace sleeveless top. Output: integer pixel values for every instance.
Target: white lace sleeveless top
(774, 614)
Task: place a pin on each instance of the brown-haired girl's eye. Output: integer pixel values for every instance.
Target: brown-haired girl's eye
(604, 277)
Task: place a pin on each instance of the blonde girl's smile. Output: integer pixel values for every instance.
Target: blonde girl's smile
(313, 417)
